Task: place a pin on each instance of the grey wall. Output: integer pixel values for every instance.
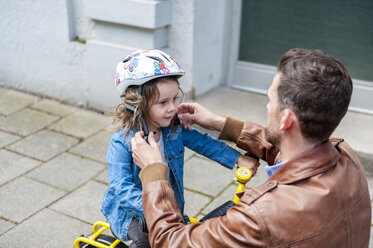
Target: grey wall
(68, 49)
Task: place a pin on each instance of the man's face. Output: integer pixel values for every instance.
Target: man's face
(273, 120)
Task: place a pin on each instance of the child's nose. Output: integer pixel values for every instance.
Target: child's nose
(173, 107)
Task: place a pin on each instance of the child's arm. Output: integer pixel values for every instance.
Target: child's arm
(214, 149)
(121, 176)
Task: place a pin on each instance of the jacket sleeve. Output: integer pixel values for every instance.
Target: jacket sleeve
(251, 137)
(210, 147)
(121, 178)
(242, 226)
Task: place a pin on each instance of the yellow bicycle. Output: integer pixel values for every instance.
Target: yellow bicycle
(99, 240)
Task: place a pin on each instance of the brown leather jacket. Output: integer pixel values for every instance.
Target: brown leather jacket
(318, 199)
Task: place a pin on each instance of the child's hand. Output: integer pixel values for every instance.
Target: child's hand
(248, 162)
(145, 154)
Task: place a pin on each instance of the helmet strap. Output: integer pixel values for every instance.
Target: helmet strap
(145, 127)
(139, 90)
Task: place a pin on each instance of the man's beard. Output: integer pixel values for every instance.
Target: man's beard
(273, 137)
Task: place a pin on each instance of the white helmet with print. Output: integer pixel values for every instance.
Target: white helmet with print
(143, 66)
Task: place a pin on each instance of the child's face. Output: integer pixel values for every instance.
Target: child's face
(163, 110)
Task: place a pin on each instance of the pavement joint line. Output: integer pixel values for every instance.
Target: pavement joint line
(36, 131)
(195, 191)
(67, 191)
(207, 159)
(24, 155)
(12, 133)
(99, 181)
(47, 112)
(4, 147)
(8, 220)
(70, 216)
(219, 194)
(47, 184)
(97, 174)
(85, 157)
(15, 134)
(44, 112)
(78, 187)
(28, 156)
(21, 175)
(26, 106)
(81, 139)
(38, 211)
(66, 134)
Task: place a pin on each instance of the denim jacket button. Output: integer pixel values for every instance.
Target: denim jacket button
(169, 158)
(175, 170)
(181, 151)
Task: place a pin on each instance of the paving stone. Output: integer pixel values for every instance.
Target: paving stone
(13, 165)
(206, 176)
(229, 193)
(82, 124)
(238, 104)
(194, 202)
(5, 225)
(26, 121)
(54, 107)
(6, 138)
(12, 101)
(23, 197)
(43, 145)
(84, 203)
(188, 154)
(66, 171)
(200, 216)
(354, 129)
(226, 195)
(94, 147)
(45, 229)
(103, 177)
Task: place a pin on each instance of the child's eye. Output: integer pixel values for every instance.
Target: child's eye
(162, 102)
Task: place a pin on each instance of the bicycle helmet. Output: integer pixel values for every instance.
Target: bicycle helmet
(143, 66)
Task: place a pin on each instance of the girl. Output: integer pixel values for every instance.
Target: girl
(148, 83)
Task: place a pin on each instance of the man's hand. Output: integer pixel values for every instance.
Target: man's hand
(248, 162)
(143, 153)
(193, 113)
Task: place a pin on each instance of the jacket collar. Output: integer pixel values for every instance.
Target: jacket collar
(309, 163)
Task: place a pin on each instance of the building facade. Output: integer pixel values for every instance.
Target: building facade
(68, 49)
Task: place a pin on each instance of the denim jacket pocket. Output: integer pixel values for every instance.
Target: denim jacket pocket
(178, 151)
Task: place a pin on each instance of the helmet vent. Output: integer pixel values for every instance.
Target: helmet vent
(165, 57)
(155, 58)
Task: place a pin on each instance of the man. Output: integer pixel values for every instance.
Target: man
(317, 193)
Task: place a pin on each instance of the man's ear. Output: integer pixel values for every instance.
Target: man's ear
(287, 119)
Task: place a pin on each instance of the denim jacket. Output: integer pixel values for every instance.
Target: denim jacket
(122, 200)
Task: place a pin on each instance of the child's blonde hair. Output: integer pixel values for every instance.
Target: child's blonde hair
(125, 119)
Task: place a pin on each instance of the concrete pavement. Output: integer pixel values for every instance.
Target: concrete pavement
(53, 173)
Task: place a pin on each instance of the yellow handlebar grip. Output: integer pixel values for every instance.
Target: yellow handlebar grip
(243, 175)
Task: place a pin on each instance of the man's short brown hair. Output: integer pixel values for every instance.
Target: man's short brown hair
(317, 87)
